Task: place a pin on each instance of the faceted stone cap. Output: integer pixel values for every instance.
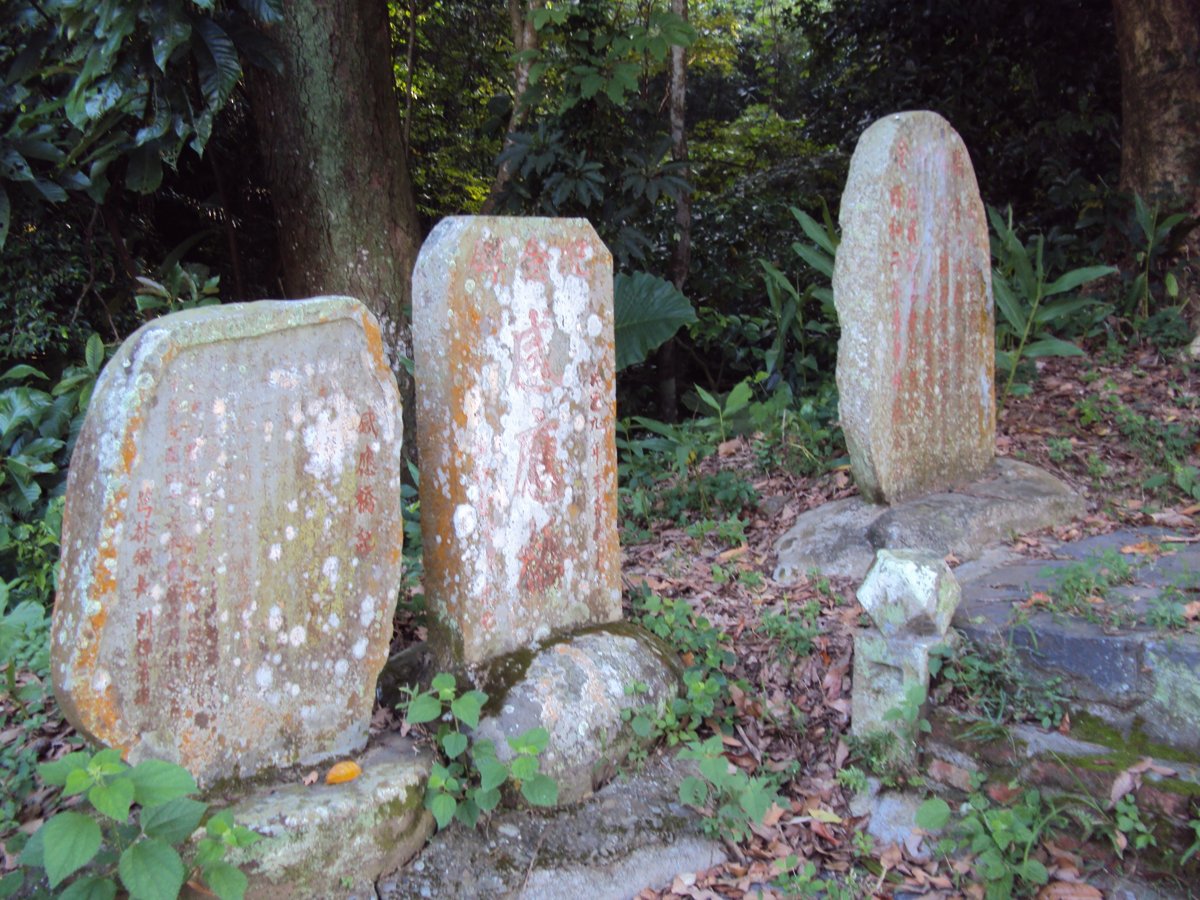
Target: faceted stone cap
(910, 592)
(231, 539)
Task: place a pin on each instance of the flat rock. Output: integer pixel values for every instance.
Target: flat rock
(577, 689)
(324, 841)
(632, 834)
(841, 538)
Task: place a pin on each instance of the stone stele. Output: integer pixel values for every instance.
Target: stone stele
(912, 286)
(231, 540)
(515, 372)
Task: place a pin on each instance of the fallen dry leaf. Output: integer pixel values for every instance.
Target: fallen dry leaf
(339, 773)
(1143, 548)
(1069, 890)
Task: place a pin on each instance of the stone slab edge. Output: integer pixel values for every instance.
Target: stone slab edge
(840, 539)
(330, 840)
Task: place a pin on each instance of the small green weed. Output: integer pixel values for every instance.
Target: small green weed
(1002, 839)
(1059, 449)
(989, 682)
(852, 779)
(467, 781)
(730, 799)
(141, 816)
(792, 631)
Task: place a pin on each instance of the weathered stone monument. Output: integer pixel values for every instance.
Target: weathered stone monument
(912, 285)
(915, 371)
(231, 539)
(515, 372)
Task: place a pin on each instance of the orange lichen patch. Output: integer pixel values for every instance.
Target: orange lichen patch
(374, 339)
(340, 773)
(99, 714)
(128, 445)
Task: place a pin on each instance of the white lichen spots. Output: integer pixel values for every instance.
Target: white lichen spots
(340, 668)
(268, 431)
(237, 662)
(198, 528)
(218, 407)
(465, 519)
(294, 689)
(275, 618)
(359, 650)
(293, 505)
(277, 658)
(334, 620)
(290, 533)
(264, 677)
(329, 569)
(580, 422)
(297, 635)
(332, 436)
(101, 680)
(366, 612)
(275, 552)
(224, 617)
(164, 538)
(289, 435)
(594, 325)
(283, 378)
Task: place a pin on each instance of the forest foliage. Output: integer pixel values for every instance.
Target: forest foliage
(131, 185)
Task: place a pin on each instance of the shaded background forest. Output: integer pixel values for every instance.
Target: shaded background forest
(159, 154)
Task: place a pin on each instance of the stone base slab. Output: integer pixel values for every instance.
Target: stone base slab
(631, 834)
(325, 841)
(840, 538)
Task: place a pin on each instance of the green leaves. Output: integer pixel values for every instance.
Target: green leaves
(933, 814)
(69, 841)
(158, 782)
(148, 866)
(150, 869)
(1025, 326)
(423, 708)
(733, 799)
(647, 311)
(465, 784)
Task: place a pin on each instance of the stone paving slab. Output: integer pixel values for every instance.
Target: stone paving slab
(1130, 677)
(633, 833)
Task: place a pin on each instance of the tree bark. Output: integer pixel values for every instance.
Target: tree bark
(681, 254)
(331, 136)
(1157, 43)
(525, 37)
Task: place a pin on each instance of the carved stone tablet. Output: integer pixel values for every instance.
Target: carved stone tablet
(912, 285)
(513, 345)
(231, 540)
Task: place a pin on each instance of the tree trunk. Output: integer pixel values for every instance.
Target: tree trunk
(681, 255)
(330, 132)
(1157, 43)
(525, 37)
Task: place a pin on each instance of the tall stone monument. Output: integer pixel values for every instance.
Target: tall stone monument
(231, 540)
(912, 286)
(515, 373)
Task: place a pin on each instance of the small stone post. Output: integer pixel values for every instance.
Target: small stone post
(911, 596)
